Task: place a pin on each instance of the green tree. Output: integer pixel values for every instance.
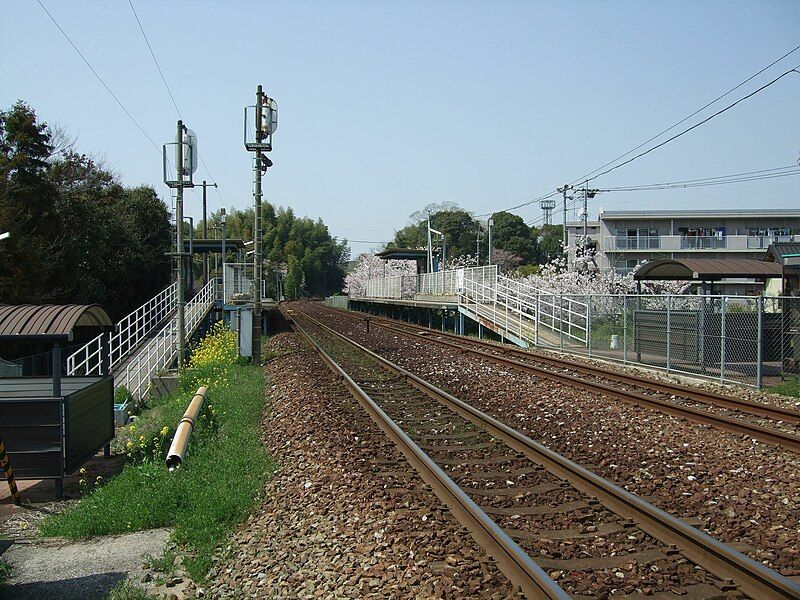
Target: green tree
(293, 285)
(510, 233)
(32, 259)
(549, 242)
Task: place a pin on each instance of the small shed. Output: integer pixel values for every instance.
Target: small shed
(707, 270)
(787, 255)
(52, 425)
(417, 255)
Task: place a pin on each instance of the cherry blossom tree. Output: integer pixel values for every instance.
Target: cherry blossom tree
(369, 266)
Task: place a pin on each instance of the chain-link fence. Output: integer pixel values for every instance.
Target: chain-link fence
(750, 340)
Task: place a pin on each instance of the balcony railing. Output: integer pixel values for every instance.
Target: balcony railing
(621, 242)
(703, 242)
(672, 243)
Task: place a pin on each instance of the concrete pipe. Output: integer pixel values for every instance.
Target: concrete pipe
(181, 440)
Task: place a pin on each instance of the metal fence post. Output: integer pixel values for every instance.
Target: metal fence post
(669, 333)
(589, 323)
(561, 321)
(536, 323)
(760, 342)
(722, 303)
(624, 329)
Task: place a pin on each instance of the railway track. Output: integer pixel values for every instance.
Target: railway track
(773, 424)
(552, 526)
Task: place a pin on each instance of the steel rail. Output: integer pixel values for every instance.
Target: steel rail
(514, 562)
(753, 578)
(758, 409)
(767, 435)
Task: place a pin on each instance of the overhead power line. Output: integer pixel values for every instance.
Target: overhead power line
(100, 79)
(686, 118)
(155, 60)
(777, 172)
(695, 126)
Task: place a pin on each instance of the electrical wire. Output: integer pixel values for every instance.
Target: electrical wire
(172, 97)
(682, 121)
(100, 79)
(155, 60)
(710, 181)
(695, 126)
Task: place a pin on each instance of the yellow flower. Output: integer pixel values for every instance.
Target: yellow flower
(129, 445)
(165, 431)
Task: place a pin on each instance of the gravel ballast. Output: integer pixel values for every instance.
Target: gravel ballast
(344, 515)
(744, 493)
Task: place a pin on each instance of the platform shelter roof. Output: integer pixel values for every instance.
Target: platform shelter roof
(707, 269)
(403, 254)
(49, 321)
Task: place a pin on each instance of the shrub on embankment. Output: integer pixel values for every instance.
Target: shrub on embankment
(220, 479)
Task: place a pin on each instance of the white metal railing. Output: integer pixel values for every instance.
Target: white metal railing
(397, 287)
(237, 280)
(162, 349)
(128, 334)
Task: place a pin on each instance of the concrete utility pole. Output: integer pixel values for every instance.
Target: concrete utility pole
(205, 230)
(490, 223)
(563, 190)
(478, 247)
(179, 244)
(585, 211)
(257, 275)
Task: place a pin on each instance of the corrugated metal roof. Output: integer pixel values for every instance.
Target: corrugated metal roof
(50, 320)
(707, 269)
(780, 250)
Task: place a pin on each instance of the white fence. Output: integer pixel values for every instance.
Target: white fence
(128, 334)
(741, 339)
(161, 351)
(398, 287)
(237, 282)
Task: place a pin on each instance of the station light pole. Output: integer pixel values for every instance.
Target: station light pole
(205, 229)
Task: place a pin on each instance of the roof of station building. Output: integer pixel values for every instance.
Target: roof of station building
(49, 321)
(707, 269)
(403, 254)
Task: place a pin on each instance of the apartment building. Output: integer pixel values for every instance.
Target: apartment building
(624, 238)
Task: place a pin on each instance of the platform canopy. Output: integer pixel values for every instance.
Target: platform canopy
(403, 254)
(49, 321)
(203, 246)
(707, 269)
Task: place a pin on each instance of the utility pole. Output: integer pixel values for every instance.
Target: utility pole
(564, 190)
(490, 223)
(266, 121)
(585, 211)
(179, 243)
(478, 246)
(205, 230)
(257, 232)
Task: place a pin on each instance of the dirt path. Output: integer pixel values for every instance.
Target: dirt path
(79, 570)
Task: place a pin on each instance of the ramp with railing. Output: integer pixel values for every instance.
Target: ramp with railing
(161, 350)
(128, 334)
(509, 307)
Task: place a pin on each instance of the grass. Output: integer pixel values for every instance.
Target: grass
(790, 387)
(219, 482)
(5, 573)
(128, 591)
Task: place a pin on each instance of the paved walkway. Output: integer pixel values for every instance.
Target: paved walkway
(79, 570)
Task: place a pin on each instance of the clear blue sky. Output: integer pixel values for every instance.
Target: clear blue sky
(388, 106)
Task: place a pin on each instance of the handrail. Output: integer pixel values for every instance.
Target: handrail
(129, 332)
(162, 350)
